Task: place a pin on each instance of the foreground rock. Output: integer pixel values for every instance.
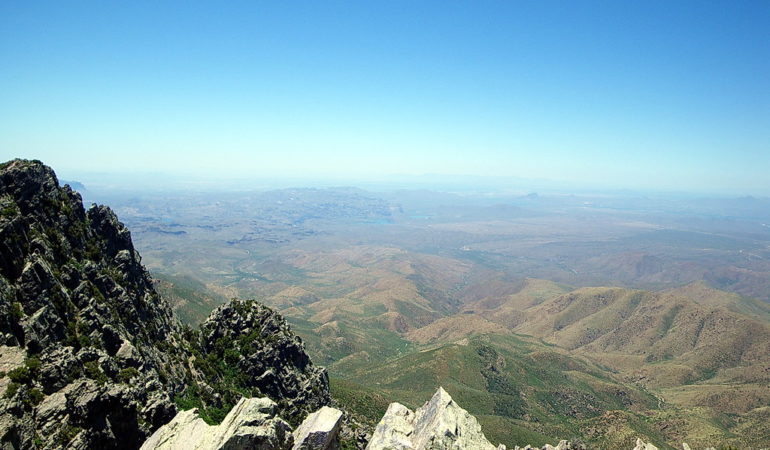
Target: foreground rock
(251, 424)
(439, 424)
(319, 431)
(641, 445)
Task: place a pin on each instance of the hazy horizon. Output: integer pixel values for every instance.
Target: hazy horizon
(466, 185)
(649, 96)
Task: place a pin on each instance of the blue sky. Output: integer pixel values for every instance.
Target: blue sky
(637, 94)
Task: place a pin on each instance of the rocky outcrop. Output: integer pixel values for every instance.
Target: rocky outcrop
(94, 356)
(251, 424)
(271, 360)
(439, 424)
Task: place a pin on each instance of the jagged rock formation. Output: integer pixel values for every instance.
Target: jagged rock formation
(251, 424)
(441, 424)
(438, 424)
(104, 359)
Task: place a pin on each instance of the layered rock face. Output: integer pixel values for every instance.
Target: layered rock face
(94, 356)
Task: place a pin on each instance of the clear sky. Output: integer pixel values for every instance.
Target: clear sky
(639, 94)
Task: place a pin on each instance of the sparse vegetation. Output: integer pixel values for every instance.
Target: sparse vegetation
(34, 397)
(127, 374)
(67, 433)
(94, 371)
(17, 311)
(12, 389)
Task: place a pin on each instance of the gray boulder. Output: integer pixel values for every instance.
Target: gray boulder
(319, 430)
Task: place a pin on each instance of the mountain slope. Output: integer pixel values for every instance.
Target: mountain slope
(703, 353)
(688, 338)
(520, 390)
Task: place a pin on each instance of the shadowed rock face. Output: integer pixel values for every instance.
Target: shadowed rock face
(94, 355)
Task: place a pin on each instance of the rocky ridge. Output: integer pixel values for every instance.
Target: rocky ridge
(252, 424)
(93, 357)
(102, 350)
(440, 424)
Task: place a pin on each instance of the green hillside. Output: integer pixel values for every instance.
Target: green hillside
(520, 390)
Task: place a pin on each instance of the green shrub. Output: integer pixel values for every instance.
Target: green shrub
(94, 372)
(125, 375)
(17, 311)
(33, 364)
(11, 390)
(67, 433)
(34, 397)
(93, 251)
(9, 210)
(20, 375)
